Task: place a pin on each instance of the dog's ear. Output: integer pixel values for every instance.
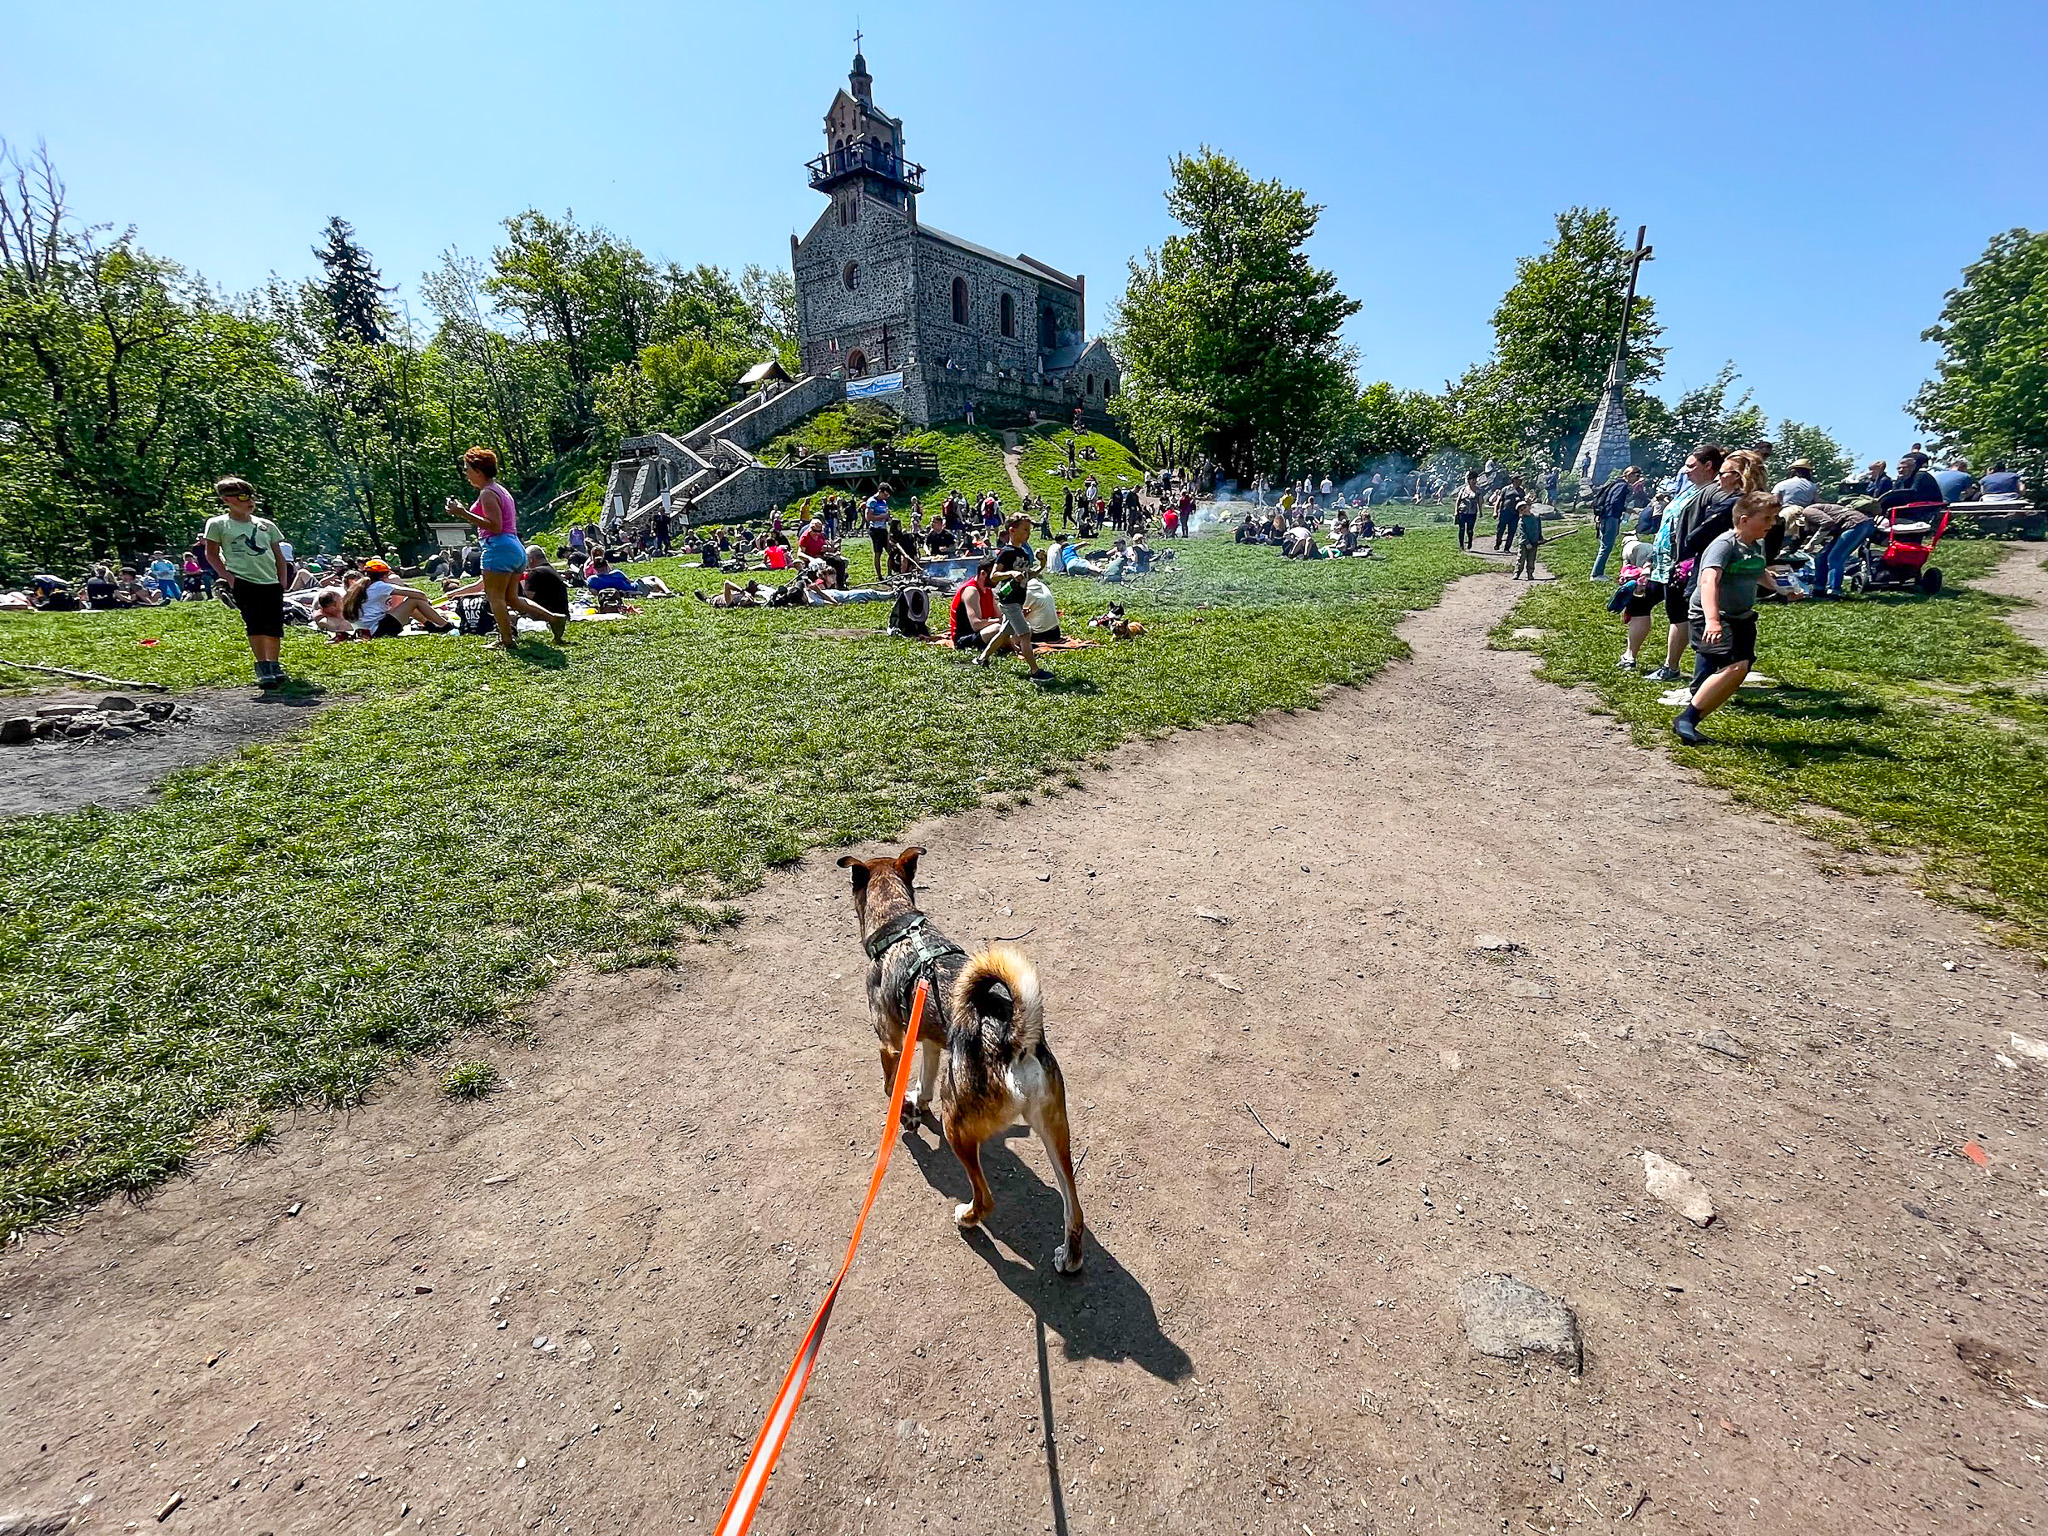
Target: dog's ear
(860, 873)
(907, 862)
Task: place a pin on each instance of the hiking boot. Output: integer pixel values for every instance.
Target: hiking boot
(1661, 675)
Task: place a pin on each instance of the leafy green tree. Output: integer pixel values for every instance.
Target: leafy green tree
(1554, 333)
(1228, 334)
(125, 384)
(1988, 398)
(1665, 435)
(1797, 440)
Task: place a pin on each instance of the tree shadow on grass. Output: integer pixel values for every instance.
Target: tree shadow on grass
(1103, 1313)
(1808, 733)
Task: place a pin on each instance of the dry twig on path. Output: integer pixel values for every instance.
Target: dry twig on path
(90, 677)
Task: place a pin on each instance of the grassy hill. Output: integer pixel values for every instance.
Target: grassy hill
(1045, 450)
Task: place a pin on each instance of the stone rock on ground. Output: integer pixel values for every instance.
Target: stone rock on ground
(25, 1524)
(1722, 1043)
(115, 702)
(1677, 1188)
(1509, 1318)
(20, 728)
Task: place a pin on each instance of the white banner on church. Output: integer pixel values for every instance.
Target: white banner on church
(880, 384)
(857, 461)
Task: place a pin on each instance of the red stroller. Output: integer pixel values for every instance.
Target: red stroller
(1910, 534)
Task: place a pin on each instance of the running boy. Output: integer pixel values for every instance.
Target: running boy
(1723, 611)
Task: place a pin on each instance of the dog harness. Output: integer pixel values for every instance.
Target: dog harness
(931, 949)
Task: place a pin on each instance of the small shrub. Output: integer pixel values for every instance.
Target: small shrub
(470, 1080)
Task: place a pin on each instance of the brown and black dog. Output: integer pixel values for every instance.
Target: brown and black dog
(984, 1016)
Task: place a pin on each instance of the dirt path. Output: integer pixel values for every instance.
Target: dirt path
(2021, 574)
(1267, 1338)
(1012, 459)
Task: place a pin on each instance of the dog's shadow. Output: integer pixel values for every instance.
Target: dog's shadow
(1101, 1313)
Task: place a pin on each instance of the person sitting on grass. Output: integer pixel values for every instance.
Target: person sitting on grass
(1011, 581)
(973, 620)
(1723, 610)
(380, 607)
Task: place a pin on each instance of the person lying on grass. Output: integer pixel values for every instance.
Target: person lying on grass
(1723, 611)
(1012, 582)
(749, 596)
(327, 617)
(604, 577)
(380, 608)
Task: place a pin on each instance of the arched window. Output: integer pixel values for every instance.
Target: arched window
(959, 301)
(851, 276)
(1048, 328)
(856, 363)
(1008, 310)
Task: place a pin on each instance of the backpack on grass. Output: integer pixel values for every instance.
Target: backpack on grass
(912, 614)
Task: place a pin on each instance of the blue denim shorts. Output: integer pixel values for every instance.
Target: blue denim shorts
(504, 552)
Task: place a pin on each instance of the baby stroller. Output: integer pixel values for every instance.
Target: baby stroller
(1909, 535)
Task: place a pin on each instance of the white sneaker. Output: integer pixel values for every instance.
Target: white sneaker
(1627, 662)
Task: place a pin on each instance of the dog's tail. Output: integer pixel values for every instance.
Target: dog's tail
(999, 987)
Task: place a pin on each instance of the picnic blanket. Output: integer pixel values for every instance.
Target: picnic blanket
(1068, 643)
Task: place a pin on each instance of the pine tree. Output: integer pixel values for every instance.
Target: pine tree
(353, 289)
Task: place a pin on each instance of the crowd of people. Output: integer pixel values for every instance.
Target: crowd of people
(1722, 538)
(1293, 524)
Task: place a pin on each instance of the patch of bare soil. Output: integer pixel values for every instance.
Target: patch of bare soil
(565, 1308)
(43, 777)
(2020, 574)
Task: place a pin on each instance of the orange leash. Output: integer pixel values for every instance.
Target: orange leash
(746, 1495)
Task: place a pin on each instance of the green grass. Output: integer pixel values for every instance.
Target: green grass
(1903, 725)
(469, 1080)
(970, 461)
(1046, 448)
(285, 926)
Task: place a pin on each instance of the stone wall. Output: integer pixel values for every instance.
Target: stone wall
(873, 317)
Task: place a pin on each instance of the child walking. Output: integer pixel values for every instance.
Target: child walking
(1532, 540)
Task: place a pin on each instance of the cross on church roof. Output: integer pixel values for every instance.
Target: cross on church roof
(856, 38)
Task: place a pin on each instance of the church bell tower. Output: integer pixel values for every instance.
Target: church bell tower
(864, 148)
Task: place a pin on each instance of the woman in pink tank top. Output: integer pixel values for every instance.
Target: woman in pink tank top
(504, 557)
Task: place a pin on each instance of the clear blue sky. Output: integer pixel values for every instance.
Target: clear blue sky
(1813, 175)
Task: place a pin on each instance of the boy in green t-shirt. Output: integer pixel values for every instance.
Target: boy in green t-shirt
(247, 553)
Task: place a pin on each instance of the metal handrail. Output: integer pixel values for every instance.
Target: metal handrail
(864, 157)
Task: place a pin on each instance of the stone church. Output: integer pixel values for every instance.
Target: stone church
(881, 293)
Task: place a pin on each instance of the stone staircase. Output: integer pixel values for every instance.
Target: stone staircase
(712, 467)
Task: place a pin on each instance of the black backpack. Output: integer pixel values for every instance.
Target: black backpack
(913, 612)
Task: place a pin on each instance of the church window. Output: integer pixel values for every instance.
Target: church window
(842, 211)
(1048, 328)
(1091, 383)
(1008, 315)
(851, 276)
(959, 301)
